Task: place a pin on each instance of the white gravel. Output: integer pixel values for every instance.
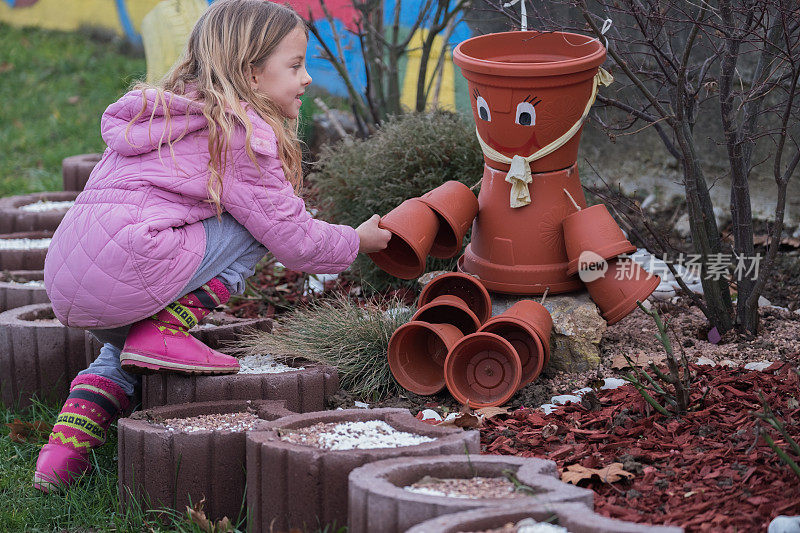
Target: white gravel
(31, 284)
(365, 435)
(47, 205)
(263, 364)
(24, 244)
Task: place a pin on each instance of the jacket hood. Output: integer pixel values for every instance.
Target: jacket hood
(145, 135)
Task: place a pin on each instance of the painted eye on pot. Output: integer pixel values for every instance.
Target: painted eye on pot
(483, 109)
(526, 114)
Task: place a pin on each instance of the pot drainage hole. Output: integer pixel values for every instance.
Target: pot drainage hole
(263, 364)
(352, 435)
(47, 205)
(527, 525)
(24, 244)
(473, 487)
(233, 422)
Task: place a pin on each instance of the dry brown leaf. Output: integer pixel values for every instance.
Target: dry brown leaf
(468, 421)
(489, 412)
(549, 430)
(576, 473)
(198, 517)
(641, 359)
(23, 432)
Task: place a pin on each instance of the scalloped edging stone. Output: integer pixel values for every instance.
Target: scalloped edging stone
(75, 170)
(163, 468)
(297, 486)
(15, 219)
(378, 501)
(37, 357)
(13, 292)
(574, 517)
(24, 259)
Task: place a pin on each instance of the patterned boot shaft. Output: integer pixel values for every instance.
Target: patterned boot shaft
(187, 311)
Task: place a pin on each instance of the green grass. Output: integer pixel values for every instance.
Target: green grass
(54, 86)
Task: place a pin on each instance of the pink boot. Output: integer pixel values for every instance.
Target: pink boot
(92, 405)
(162, 342)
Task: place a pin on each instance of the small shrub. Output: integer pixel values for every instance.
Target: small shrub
(410, 155)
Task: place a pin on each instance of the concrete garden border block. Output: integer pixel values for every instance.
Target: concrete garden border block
(378, 501)
(15, 219)
(14, 293)
(75, 170)
(24, 259)
(38, 355)
(163, 468)
(297, 486)
(574, 517)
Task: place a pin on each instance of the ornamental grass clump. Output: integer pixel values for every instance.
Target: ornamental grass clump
(353, 337)
(410, 155)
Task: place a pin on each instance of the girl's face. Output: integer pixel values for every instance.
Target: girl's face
(283, 77)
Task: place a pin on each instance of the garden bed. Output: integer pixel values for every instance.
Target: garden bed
(41, 211)
(707, 469)
(21, 287)
(24, 250)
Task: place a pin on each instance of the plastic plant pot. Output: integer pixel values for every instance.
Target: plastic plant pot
(292, 485)
(38, 356)
(417, 351)
(521, 250)
(449, 310)
(464, 286)
(15, 217)
(482, 369)
(528, 89)
(623, 284)
(573, 517)
(380, 501)
(413, 226)
(23, 257)
(593, 230)
(163, 468)
(526, 325)
(16, 292)
(456, 206)
(75, 170)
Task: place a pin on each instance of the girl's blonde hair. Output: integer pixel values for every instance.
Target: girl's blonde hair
(232, 38)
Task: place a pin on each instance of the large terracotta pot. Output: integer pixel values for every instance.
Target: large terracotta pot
(526, 325)
(593, 230)
(417, 351)
(521, 250)
(456, 206)
(414, 226)
(482, 369)
(529, 88)
(530, 92)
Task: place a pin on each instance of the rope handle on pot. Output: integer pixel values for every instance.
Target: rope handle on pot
(519, 175)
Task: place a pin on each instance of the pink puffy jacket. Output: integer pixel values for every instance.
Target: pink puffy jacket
(134, 237)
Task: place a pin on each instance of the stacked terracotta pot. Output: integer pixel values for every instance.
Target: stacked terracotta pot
(453, 341)
(434, 224)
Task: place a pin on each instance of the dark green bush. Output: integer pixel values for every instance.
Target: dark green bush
(410, 155)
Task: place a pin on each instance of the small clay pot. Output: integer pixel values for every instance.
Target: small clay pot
(414, 226)
(482, 369)
(593, 230)
(616, 298)
(456, 206)
(526, 325)
(449, 310)
(417, 351)
(464, 286)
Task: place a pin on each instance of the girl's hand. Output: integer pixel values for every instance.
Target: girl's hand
(372, 238)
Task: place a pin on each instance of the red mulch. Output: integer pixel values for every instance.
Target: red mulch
(705, 471)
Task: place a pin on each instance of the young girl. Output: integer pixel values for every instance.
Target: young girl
(198, 181)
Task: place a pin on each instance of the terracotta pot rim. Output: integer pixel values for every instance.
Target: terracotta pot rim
(465, 57)
(607, 252)
(533, 289)
(621, 310)
(535, 334)
(509, 350)
(461, 307)
(458, 236)
(487, 299)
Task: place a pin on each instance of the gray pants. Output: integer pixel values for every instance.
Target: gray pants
(231, 255)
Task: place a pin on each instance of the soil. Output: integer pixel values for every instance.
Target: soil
(234, 422)
(475, 487)
(352, 435)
